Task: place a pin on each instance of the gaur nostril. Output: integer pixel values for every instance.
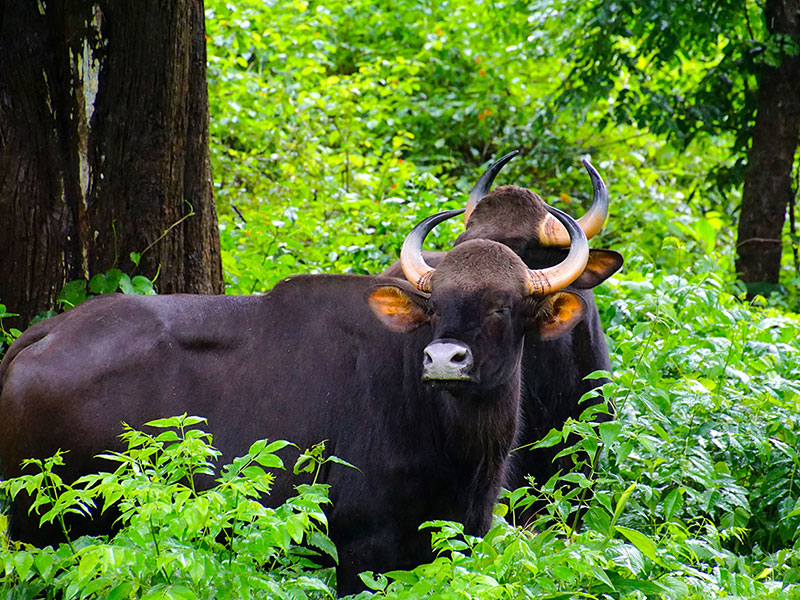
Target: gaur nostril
(459, 357)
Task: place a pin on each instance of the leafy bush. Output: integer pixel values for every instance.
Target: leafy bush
(7, 337)
(175, 539)
(335, 127)
(114, 280)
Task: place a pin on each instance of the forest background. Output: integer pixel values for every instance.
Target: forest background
(336, 126)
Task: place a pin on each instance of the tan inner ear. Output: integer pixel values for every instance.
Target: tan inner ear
(567, 306)
(395, 309)
(558, 314)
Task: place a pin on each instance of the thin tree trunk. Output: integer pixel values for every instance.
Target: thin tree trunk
(768, 181)
(103, 147)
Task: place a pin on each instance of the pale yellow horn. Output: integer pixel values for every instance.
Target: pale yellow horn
(553, 233)
(484, 184)
(552, 279)
(416, 270)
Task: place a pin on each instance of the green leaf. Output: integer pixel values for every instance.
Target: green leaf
(269, 460)
(305, 464)
(142, 285)
(181, 592)
(553, 437)
(122, 591)
(295, 527)
(277, 445)
(166, 422)
(602, 576)
(170, 592)
(609, 432)
(599, 374)
(23, 561)
(73, 293)
(253, 472)
(643, 543)
(125, 285)
(673, 503)
(340, 461)
(113, 277)
(324, 543)
(87, 564)
(44, 563)
(99, 284)
(706, 233)
(257, 447)
(623, 500)
(377, 583)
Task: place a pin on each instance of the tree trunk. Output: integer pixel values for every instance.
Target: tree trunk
(103, 147)
(768, 180)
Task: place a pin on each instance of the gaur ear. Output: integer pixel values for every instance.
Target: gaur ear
(602, 265)
(555, 315)
(399, 306)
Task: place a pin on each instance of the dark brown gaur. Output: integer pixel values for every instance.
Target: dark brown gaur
(424, 399)
(553, 370)
(527, 209)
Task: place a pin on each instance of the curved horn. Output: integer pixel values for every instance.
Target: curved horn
(552, 233)
(416, 270)
(551, 279)
(485, 183)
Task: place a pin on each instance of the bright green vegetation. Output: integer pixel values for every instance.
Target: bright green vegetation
(335, 127)
(174, 539)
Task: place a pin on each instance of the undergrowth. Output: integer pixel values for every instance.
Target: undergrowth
(175, 540)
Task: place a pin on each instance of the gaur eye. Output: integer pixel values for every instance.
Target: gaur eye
(501, 311)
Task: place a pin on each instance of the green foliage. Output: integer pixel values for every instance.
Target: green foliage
(338, 126)
(717, 382)
(176, 539)
(679, 69)
(7, 337)
(79, 290)
(334, 128)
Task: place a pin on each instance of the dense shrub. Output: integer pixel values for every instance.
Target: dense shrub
(176, 541)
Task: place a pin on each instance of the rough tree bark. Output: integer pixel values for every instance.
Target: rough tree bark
(103, 147)
(768, 181)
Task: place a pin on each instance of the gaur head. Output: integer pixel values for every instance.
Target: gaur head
(519, 218)
(480, 301)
